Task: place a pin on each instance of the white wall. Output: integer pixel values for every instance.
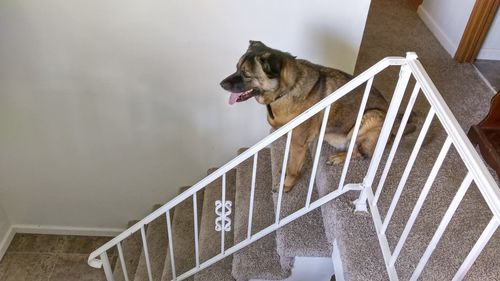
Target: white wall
(447, 20)
(107, 106)
(490, 50)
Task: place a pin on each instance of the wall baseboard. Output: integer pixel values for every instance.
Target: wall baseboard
(65, 230)
(5, 241)
(489, 54)
(445, 41)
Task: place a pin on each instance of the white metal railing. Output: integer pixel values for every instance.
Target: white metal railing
(410, 66)
(476, 172)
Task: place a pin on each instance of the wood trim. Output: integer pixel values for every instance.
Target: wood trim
(477, 27)
(415, 3)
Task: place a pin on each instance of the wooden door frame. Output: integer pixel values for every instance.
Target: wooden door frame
(479, 23)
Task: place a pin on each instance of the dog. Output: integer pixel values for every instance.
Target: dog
(288, 86)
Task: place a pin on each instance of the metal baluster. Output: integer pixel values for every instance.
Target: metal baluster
(223, 210)
(252, 194)
(392, 111)
(107, 267)
(316, 155)
(122, 261)
(421, 199)
(146, 253)
(171, 245)
(397, 139)
(442, 226)
(283, 172)
(354, 136)
(406, 172)
(195, 217)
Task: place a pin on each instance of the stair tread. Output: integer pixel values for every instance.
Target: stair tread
(182, 238)
(259, 260)
(306, 236)
(157, 248)
(209, 243)
(132, 248)
(355, 232)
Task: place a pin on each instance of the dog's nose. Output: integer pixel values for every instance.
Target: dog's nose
(225, 84)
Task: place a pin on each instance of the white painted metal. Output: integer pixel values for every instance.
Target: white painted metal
(483, 179)
(409, 66)
(122, 261)
(317, 153)
(384, 244)
(252, 195)
(171, 245)
(146, 253)
(283, 172)
(223, 215)
(478, 247)
(108, 272)
(406, 172)
(223, 221)
(196, 239)
(354, 136)
(392, 112)
(442, 226)
(397, 139)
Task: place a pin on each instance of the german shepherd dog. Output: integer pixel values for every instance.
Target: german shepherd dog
(288, 86)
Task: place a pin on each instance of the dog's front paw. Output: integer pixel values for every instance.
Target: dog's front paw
(337, 158)
(290, 182)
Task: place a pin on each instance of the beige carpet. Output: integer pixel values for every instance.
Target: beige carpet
(392, 29)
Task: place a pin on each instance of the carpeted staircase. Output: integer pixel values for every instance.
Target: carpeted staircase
(272, 257)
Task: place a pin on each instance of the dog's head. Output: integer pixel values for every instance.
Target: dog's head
(260, 73)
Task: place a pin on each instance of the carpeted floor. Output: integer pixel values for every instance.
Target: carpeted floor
(490, 69)
(392, 29)
(51, 257)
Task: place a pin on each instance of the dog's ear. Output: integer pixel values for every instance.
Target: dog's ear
(253, 45)
(288, 76)
(271, 64)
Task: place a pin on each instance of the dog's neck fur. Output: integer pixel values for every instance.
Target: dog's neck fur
(305, 78)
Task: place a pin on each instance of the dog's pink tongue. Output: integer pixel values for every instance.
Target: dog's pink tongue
(234, 97)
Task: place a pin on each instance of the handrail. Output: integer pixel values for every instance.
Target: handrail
(345, 89)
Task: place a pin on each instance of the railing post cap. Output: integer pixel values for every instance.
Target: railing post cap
(95, 263)
(411, 55)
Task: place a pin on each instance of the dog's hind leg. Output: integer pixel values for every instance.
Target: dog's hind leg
(366, 140)
(340, 156)
(341, 143)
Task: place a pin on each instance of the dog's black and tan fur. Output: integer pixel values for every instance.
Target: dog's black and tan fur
(288, 86)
